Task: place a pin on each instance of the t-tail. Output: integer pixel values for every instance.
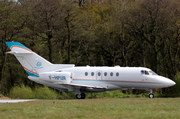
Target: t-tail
(32, 63)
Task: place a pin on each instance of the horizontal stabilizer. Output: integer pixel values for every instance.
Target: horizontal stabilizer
(17, 47)
(15, 52)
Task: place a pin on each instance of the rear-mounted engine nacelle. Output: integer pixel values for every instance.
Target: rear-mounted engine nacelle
(62, 77)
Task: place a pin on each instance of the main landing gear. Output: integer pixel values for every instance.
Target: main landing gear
(151, 94)
(81, 96)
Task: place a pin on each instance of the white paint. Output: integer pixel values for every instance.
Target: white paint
(86, 79)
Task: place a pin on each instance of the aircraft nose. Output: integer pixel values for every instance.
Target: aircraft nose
(168, 82)
(171, 83)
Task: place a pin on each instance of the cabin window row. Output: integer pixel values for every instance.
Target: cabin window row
(99, 74)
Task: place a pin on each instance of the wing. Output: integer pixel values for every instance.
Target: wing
(80, 86)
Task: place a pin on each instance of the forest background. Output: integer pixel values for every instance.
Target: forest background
(134, 33)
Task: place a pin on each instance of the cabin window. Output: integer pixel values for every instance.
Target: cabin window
(117, 74)
(111, 74)
(148, 72)
(105, 73)
(99, 73)
(144, 72)
(92, 73)
(86, 73)
(152, 73)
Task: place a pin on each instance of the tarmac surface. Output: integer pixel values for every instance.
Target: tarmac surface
(16, 100)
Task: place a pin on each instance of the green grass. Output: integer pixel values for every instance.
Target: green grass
(126, 108)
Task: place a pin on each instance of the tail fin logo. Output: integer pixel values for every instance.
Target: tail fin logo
(38, 65)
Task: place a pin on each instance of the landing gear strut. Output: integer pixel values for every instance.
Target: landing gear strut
(81, 96)
(151, 94)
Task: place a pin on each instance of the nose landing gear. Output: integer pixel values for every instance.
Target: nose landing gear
(151, 94)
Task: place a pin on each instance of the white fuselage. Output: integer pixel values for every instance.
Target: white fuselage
(112, 78)
(81, 80)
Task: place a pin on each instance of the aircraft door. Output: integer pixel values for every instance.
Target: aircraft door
(99, 75)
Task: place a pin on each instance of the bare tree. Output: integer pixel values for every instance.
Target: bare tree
(46, 20)
(13, 18)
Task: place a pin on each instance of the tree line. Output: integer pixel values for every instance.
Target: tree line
(134, 33)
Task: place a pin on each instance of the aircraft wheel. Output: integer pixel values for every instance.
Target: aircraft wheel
(83, 95)
(78, 96)
(151, 95)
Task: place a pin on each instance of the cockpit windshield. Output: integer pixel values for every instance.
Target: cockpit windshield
(145, 72)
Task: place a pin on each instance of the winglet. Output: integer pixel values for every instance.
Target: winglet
(17, 47)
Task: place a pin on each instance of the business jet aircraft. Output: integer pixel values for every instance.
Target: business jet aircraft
(81, 80)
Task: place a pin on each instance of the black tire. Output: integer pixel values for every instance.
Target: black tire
(151, 95)
(78, 96)
(83, 95)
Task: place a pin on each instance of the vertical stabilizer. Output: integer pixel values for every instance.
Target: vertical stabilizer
(32, 63)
